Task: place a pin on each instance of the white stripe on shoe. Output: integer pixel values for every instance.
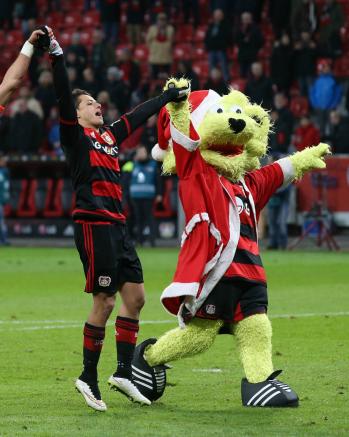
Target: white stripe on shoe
(142, 383)
(270, 397)
(141, 371)
(263, 395)
(258, 393)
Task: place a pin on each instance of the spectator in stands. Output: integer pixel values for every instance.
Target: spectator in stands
(217, 40)
(283, 125)
(278, 207)
(306, 134)
(102, 54)
(72, 61)
(79, 51)
(28, 12)
(89, 82)
(103, 98)
(4, 199)
(303, 17)
(249, 40)
(149, 134)
(118, 89)
(45, 92)
(191, 8)
(53, 137)
(111, 114)
(325, 93)
(25, 133)
(6, 14)
(73, 77)
(135, 12)
(304, 64)
(338, 133)
(33, 104)
(259, 86)
(185, 69)
(145, 187)
(282, 63)
(216, 82)
(131, 73)
(160, 37)
(330, 21)
(279, 13)
(110, 18)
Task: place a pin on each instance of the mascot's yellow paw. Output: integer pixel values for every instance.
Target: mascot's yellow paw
(311, 158)
(179, 111)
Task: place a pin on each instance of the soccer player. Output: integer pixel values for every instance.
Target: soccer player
(15, 74)
(109, 259)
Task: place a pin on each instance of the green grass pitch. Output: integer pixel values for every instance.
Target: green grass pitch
(42, 310)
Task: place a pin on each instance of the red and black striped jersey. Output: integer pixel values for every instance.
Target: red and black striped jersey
(247, 263)
(92, 154)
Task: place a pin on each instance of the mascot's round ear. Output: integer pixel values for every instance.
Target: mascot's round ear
(158, 153)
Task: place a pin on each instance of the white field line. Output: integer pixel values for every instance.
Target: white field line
(37, 325)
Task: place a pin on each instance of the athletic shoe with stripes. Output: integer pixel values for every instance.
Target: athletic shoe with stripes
(269, 393)
(128, 388)
(91, 394)
(150, 381)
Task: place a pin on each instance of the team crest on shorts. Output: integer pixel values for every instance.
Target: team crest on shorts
(210, 309)
(104, 281)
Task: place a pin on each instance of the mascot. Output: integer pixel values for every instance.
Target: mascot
(214, 144)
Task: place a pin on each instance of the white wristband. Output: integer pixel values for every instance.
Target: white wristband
(27, 49)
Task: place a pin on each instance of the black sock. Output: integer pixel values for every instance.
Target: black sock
(93, 342)
(126, 331)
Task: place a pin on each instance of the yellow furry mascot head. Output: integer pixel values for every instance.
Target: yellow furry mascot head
(233, 131)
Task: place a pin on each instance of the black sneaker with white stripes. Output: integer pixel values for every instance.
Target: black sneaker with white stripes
(269, 393)
(150, 381)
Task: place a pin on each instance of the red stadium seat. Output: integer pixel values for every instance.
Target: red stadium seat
(141, 53)
(199, 53)
(299, 106)
(185, 33)
(27, 204)
(182, 52)
(14, 38)
(53, 200)
(200, 33)
(201, 68)
(239, 84)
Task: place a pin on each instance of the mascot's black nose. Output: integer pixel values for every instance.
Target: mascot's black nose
(237, 125)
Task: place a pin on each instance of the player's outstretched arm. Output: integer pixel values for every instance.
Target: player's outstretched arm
(18, 69)
(132, 120)
(61, 82)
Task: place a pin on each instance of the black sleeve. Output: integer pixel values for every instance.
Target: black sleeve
(68, 119)
(129, 122)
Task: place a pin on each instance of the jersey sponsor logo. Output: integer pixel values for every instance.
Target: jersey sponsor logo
(210, 309)
(104, 281)
(108, 150)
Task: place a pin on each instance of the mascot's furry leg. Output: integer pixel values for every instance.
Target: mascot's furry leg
(253, 335)
(195, 338)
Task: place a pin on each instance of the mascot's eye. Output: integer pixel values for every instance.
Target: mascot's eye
(236, 109)
(256, 119)
(216, 109)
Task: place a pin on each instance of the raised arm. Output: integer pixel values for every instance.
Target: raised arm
(14, 75)
(68, 118)
(126, 124)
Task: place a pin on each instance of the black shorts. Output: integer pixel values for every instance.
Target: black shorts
(232, 300)
(108, 256)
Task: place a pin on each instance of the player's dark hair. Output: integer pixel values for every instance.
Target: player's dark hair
(77, 93)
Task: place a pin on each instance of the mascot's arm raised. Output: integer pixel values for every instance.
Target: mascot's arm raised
(311, 158)
(185, 139)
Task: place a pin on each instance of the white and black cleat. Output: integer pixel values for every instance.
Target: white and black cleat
(151, 381)
(128, 388)
(91, 394)
(269, 393)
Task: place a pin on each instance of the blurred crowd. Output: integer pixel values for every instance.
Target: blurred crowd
(296, 83)
(282, 54)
